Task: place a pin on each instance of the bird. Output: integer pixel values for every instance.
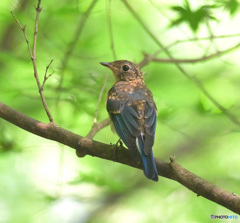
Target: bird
(133, 113)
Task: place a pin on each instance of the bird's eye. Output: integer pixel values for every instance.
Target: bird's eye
(125, 67)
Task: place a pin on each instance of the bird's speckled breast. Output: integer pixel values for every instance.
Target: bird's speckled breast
(132, 91)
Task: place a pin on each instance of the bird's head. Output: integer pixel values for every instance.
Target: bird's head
(124, 70)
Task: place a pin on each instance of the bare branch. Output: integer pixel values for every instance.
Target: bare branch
(97, 127)
(198, 39)
(196, 60)
(73, 42)
(46, 76)
(33, 56)
(85, 146)
(24, 33)
(109, 19)
(100, 98)
(149, 58)
(207, 38)
(205, 189)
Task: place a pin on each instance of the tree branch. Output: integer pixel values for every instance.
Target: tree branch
(195, 60)
(32, 54)
(149, 58)
(74, 41)
(46, 75)
(198, 39)
(100, 98)
(109, 19)
(97, 127)
(85, 146)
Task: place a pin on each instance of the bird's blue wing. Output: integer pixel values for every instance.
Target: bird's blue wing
(150, 117)
(126, 122)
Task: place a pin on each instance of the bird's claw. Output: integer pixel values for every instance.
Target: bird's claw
(115, 147)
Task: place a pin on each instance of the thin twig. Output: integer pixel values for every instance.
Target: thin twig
(148, 58)
(24, 33)
(73, 42)
(46, 76)
(97, 127)
(100, 98)
(198, 39)
(32, 54)
(195, 60)
(109, 19)
(211, 34)
(208, 37)
(190, 77)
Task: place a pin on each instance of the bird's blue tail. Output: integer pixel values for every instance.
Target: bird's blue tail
(150, 169)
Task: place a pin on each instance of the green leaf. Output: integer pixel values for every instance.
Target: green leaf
(192, 18)
(232, 6)
(178, 9)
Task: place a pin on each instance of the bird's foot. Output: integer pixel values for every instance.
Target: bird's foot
(115, 148)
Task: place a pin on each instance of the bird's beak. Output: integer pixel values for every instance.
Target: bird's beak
(106, 64)
(109, 65)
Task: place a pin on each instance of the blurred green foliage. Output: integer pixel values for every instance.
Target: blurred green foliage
(42, 181)
(193, 18)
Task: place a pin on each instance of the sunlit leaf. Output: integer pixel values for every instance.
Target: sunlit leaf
(193, 18)
(232, 6)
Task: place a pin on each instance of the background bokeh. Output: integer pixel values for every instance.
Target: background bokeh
(43, 181)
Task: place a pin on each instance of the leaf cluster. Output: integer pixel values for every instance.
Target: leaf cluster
(204, 13)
